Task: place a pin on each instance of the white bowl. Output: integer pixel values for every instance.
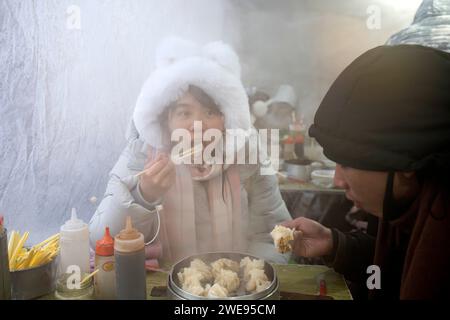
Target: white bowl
(323, 178)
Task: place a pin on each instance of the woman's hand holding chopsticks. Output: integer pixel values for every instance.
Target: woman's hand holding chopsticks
(158, 176)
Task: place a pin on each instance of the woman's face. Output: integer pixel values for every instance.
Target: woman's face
(188, 109)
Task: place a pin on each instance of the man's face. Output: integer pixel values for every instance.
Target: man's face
(365, 188)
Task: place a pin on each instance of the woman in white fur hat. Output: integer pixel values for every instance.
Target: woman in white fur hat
(277, 112)
(206, 208)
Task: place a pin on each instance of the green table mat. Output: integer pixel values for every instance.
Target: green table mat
(294, 278)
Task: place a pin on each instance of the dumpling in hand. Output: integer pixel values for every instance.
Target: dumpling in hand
(224, 263)
(249, 264)
(203, 269)
(215, 291)
(257, 278)
(282, 237)
(228, 279)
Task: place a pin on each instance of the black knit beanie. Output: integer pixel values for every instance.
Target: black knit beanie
(389, 110)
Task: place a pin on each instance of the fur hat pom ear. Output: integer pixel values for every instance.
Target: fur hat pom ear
(173, 49)
(223, 55)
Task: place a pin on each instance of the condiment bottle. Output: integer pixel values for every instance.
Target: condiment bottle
(74, 245)
(129, 253)
(5, 281)
(105, 279)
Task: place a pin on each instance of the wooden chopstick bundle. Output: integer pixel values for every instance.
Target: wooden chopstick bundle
(21, 258)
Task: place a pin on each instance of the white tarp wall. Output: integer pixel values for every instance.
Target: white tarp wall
(70, 73)
(71, 70)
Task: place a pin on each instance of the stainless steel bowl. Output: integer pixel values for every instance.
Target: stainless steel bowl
(298, 169)
(33, 282)
(177, 293)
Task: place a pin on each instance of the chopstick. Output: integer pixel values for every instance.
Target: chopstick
(186, 153)
(282, 175)
(17, 250)
(89, 276)
(157, 270)
(190, 152)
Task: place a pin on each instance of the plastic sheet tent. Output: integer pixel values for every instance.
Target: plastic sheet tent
(70, 74)
(431, 26)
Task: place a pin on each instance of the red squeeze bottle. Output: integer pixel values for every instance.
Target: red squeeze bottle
(323, 288)
(105, 279)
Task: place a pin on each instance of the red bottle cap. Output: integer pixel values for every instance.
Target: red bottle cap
(105, 246)
(323, 288)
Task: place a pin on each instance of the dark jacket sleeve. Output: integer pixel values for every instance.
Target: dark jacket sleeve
(352, 253)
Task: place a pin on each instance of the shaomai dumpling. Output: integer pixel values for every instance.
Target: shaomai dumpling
(196, 289)
(216, 291)
(282, 237)
(257, 280)
(249, 264)
(190, 280)
(224, 263)
(203, 268)
(228, 279)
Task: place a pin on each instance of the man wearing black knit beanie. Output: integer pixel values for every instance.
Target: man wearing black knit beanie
(385, 121)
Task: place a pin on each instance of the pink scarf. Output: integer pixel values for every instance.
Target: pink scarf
(178, 230)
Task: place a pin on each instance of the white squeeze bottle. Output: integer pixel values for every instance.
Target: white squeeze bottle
(74, 245)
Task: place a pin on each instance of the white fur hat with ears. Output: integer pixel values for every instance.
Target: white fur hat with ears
(213, 67)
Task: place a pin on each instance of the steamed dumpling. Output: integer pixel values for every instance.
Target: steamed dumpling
(257, 280)
(203, 269)
(228, 279)
(249, 264)
(282, 237)
(216, 291)
(224, 263)
(262, 285)
(196, 289)
(189, 275)
(190, 280)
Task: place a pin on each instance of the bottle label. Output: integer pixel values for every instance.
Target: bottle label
(108, 266)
